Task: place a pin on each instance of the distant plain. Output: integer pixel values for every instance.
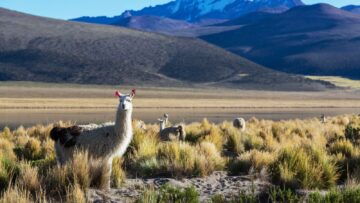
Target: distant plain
(28, 103)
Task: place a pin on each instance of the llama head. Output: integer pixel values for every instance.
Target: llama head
(125, 100)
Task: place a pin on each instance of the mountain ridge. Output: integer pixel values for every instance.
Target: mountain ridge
(196, 10)
(352, 8)
(304, 40)
(33, 48)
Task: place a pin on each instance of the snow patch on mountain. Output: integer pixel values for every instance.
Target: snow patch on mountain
(207, 6)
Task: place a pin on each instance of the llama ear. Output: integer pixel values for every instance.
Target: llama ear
(133, 92)
(117, 94)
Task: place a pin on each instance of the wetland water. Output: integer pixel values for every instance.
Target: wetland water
(28, 117)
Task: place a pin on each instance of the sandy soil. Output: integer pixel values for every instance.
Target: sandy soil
(217, 183)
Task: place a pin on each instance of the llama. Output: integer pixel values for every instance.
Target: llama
(166, 118)
(239, 123)
(103, 142)
(171, 133)
(323, 118)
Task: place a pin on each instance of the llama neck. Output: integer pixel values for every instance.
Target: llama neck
(162, 126)
(123, 132)
(123, 123)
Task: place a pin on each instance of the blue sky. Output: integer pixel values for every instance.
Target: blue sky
(66, 9)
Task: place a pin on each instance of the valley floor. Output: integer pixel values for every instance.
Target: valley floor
(47, 103)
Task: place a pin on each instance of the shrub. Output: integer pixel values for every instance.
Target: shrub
(352, 132)
(254, 159)
(144, 143)
(253, 142)
(76, 172)
(343, 196)
(75, 195)
(235, 142)
(304, 167)
(118, 174)
(16, 195)
(41, 132)
(8, 171)
(6, 133)
(169, 194)
(32, 149)
(177, 159)
(20, 131)
(344, 147)
(209, 159)
(80, 169)
(214, 136)
(56, 181)
(47, 149)
(29, 178)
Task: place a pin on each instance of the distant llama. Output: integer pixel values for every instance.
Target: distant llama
(323, 118)
(176, 132)
(239, 123)
(103, 142)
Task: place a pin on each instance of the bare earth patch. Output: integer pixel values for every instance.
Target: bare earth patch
(217, 183)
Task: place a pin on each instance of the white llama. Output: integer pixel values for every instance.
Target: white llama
(103, 142)
(239, 123)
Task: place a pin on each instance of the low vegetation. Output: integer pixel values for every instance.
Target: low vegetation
(294, 154)
(338, 81)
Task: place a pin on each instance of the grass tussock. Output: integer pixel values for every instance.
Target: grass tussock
(15, 194)
(253, 160)
(75, 195)
(118, 175)
(306, 168)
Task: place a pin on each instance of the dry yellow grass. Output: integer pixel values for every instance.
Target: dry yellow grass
(295, 153)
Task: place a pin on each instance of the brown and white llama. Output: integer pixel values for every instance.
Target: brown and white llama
(176, 132)
(102, 142)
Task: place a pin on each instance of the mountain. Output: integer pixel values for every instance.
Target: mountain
(98, 19)
(153, 24)
(193, 10)
(41, 49)
(247, 19)
(202, 10)
(317, 40)
(170, 26)
(352, 9)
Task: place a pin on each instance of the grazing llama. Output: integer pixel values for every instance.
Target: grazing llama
(239, 123)
(176, 132)
(103, 142)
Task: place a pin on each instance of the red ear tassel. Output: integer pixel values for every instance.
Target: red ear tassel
(133, 92)
(117, 94)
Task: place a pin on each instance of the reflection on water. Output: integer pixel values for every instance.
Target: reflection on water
(28, 117)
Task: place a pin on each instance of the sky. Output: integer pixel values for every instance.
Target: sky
(67, 9)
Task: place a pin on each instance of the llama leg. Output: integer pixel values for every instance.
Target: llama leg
(108, 174)
(60, 156)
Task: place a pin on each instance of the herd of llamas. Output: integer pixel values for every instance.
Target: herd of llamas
(106, 141)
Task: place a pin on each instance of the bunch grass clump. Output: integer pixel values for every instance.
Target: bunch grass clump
(252, 160)
(304, 167)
